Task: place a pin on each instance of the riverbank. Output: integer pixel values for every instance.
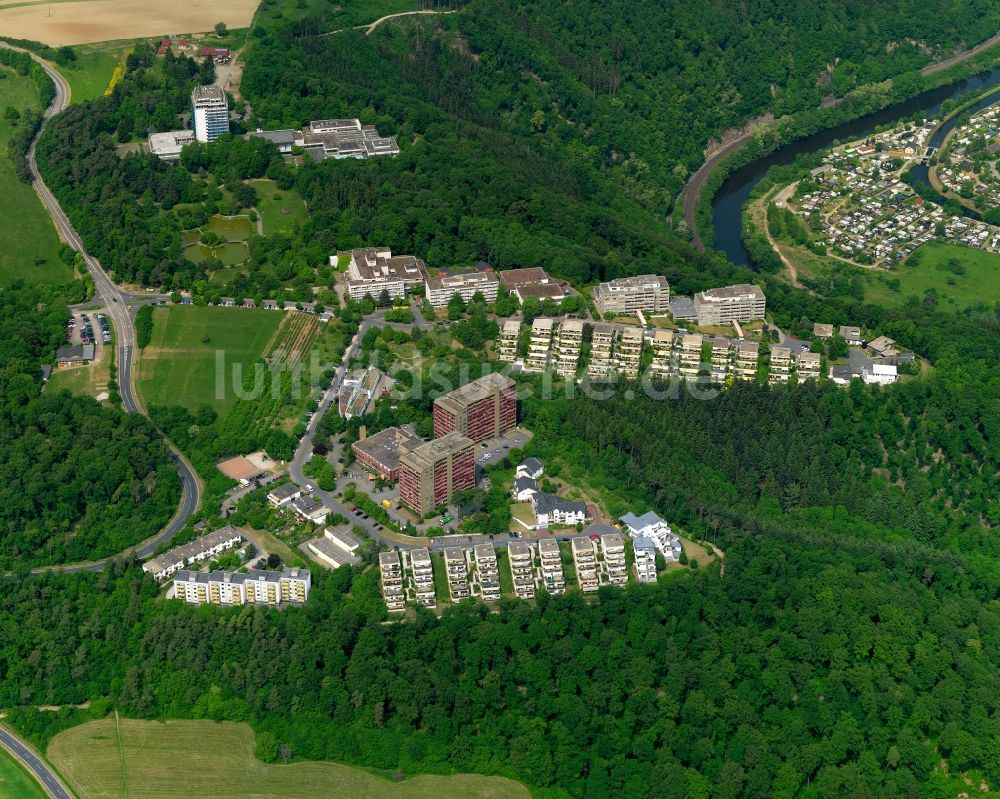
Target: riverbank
(863, 107)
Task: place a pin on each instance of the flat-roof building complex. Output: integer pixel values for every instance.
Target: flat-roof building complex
(289, 586)
(440, 290)
(380, 453)
(628, 353)
(167, 146)
(740, 303)
(601, 343)
(344, 138)
(484, 408)
(747, 356)
(457, 567)
(522, 568)
(664, 363)
(510, 334)
(392, 580)
(487, 573)
(209, 113)
(203, 548)
(780, 366)
(531, 282)
(373, 270)
(336, 548)
(625, 296)
(552, 571)
(567, 348)
(430, 475)
(539, 344)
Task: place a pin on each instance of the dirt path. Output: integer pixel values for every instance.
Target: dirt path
(370, 27)
(782, 197)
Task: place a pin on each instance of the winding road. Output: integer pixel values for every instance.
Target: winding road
(692, 192)
(24, 754)
(121, 308)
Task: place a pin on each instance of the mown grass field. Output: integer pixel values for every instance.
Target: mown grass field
(976, 281)
(280, 211)
(89, 75)
(15, 782)
(27, 234)
(179, 365)
(152, 760)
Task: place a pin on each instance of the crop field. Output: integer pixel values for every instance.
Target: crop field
(294, 337)
(29, 245)
(82, 21)
(958, 276)
(190, 344)
(15, 782)
(148, 760)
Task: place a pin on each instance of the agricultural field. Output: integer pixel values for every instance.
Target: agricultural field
(15, 782)
(84, 21)
(960, 277)
(90, 73)
(29, 245)
(148, 759)
(281, 211)
(179, 365)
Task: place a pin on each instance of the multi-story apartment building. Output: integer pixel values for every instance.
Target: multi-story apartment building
(645, 559)
(289, 586)
(538, 345)
(721, 361)
(601, 344)
(487, 572)
(380, 453)
(440, 290)
(747, 354)
(651, 526)
(780, 366)
(625, 296)
(807, 365)
(585, 561)
(392, 580)
(567, 348)
(484, 408)
(689, 356)
(422, 576)
(662, 344)
(613, 551)
(739, 303)
(431, 474)
(510, 334)
(373, 270)
(209, 113)
(552, 571)
(203, 548)
(522, 568)
(628, 353)
(457, 568)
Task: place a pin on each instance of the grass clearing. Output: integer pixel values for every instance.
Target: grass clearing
(961, 277)
(179, 365)
(29, 244)
(15, 782)
(207, 758)
(281, 211)
(90, 74)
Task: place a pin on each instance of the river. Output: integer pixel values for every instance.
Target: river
(727, 205)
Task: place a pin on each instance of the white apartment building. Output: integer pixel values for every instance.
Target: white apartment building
(440, 290)
(601, 342)
(422, 576)
(613, 552)
(880, 374)
(522, 568)
(552, 571)
(538, 345)
(200, 549)
(487, 573)
(645, 559)
(392, 580)
(457, 567)
(289, 586)
(510, 334)
(585, 562)
(740, 303)
(372, 270)
(628, 353)
(567, 348)
(625, 296)
(651, 526)
(209, 113)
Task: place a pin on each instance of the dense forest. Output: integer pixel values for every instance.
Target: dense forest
(79, 480)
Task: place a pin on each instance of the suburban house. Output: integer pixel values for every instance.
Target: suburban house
(309, 510)
(822, 331)
(283, 494)
(880, 374)
(883, 346)
(852, 335)
(530, 467)
(550, 509)
(74, 356)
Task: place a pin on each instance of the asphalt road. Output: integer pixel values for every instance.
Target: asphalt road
(26, 756)
(121, 308)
